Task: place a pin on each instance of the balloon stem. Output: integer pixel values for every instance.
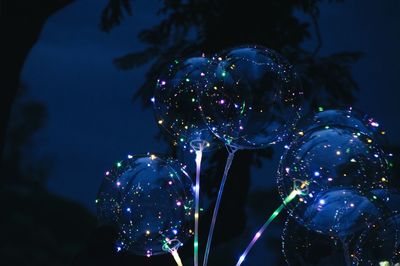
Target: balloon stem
(177, 259)
(199, 154)
(288, 199)
(231, 155)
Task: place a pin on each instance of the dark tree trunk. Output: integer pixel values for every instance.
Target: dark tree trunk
(21, 22)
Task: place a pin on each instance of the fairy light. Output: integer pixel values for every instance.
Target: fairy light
(287, 200)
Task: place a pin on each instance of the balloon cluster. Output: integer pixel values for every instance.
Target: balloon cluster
(348, 196)
(333, 177)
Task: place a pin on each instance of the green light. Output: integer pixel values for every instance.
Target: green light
(201, 209)
(223, 73)
(119, 164)
(243, 106)
(320, 109)
(181, 139)
(176, 61)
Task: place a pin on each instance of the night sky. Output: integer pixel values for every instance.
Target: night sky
(93, 121)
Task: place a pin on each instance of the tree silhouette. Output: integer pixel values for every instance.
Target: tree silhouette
(22, 22)
(195, 26)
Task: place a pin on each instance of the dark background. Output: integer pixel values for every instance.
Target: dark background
(79, 103)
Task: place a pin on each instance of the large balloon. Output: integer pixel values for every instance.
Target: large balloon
(150, 202)
(176, 104)
(255, 98)
(340, 167)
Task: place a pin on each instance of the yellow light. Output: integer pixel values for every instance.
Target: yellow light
(153, 157)
(160, 122)
(301, 133)
(369, 140)
(196, 215)
(147, 232)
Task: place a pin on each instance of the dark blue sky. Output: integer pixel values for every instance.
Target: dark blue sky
(93, 122)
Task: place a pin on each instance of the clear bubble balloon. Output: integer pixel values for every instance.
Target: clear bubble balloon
(344, 118)
(304, 247)
(334, 170)
(176, 104)
(380, 245)
(255, 98)
(150, 202)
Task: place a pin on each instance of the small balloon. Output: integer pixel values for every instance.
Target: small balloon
(176, 104)
(255, 98)
(151, 202)
(340, 168)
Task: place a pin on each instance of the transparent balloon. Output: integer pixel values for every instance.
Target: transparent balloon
(176, 104)
(334, 169)
(255, 98)
(344, 118)
(380, 245)
(151, 202)
(304, 247)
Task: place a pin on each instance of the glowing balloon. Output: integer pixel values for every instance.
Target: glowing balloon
(341, 167)
(176, 104)
(380, 245)
(255, 98)
(344, 118)
(151, 201)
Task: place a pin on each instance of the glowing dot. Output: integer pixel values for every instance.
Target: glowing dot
(181, 139)
(128, 209)
(320, 109)
(338, 153)
(384, 179)
(130, 156)
(195, 244)
(316, 173)
(178, 203)
(241, 128)
(97, 201)
(153, 100)
(286, 146)
(353, 160)
(153, 157)
(322, 202)
(118, 249)
(301, 133)
(175, 231)
(160, 122)
(258, 235)
(223, 73)
(107, 173)
(202, 74)
(163, 82)
(147, 232)
(169, 182)
(196, 215)
(330, 179)
(374, 124)
(119, 164)
(376, 155)
(351, 204)
(383, 132)
(118, 183)
(187, 80)
(222, 101)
